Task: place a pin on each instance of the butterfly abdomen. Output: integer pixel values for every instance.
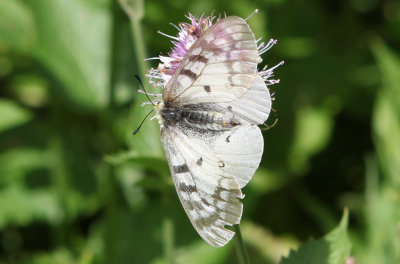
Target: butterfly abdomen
(204, 120)
(208, 120)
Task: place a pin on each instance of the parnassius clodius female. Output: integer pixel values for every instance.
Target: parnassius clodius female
(213, 99)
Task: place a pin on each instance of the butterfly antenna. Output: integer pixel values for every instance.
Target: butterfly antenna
(137, 129)
(138, 78)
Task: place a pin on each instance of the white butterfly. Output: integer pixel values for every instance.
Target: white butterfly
(208, 114)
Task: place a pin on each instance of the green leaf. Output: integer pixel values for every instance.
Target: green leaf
(339, 243)
(386, 118)
(144, 161)
(17, 30)
(334, 248)
(16, 163)
(19, 206)
(73, 44)
(313, 131)
(380, 244)
(30, 89)
(12, 115)
(312, 252)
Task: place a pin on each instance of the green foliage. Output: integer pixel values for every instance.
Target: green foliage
(77, 187)
(383, 196)
(73, 53)
(334, 248)
(13, 115)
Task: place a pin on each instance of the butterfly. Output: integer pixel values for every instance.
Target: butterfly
(209, 114)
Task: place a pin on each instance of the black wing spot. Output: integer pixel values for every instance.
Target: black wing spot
(198, 58)
(187, 188)
(181, 169)
(227, 139)
(204, 201)
(207, 88)
(199, 161)
(233, 123)
(189, 74)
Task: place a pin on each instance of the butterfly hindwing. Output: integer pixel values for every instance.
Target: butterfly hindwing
(208, 173)
(238, 151)
(209, 199)
(219, 67)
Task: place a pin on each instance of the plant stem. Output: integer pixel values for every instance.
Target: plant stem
(135, 10)
(240, 248)
(168, 229)
(113, 54)
(140, 48)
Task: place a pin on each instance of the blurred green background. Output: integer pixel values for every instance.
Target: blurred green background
(77, 187)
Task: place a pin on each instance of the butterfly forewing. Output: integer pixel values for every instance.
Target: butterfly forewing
(219, 67)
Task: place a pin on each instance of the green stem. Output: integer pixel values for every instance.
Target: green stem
(113, 54)
(168, 227)
(240, 248)
(137, 34)
(135, 10)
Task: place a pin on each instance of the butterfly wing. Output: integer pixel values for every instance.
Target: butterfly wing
(219, 67)
(254, 106)
(208, 173)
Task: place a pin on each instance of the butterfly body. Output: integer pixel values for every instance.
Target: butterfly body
(208, 115)
(198, 117)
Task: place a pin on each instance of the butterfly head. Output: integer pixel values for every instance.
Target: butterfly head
(166, 113)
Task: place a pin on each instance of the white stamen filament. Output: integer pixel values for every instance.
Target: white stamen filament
(266, 74)
(145, 103)
(276, 66)
(252, 14)
(175, 26)
(151, 94)
(168, 36)
(154, 58)
(262, 48)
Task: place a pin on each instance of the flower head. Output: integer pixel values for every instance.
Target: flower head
(188, 34)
